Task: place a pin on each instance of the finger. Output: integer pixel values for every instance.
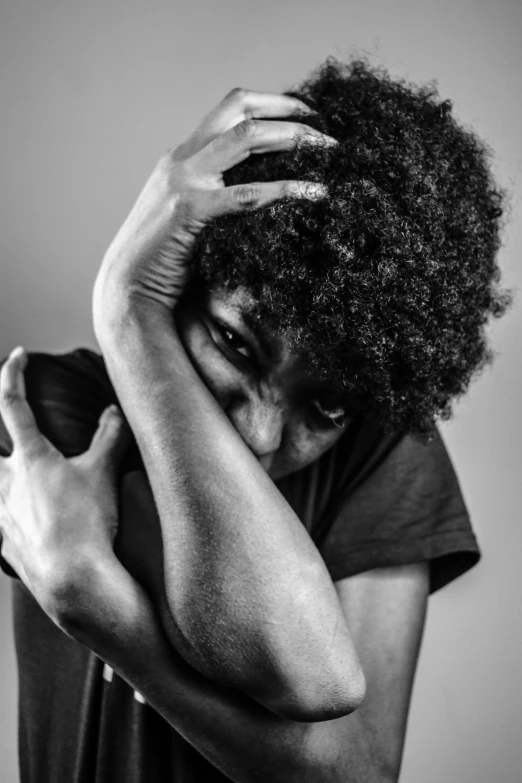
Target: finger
(254, 137)
(111, 439)
(244, 198)
(16, 411)
(236, 106)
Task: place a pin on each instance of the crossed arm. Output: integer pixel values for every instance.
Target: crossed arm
(246, 647)
(385, 610)
(251, 601)
(279, 632)
(232, 727)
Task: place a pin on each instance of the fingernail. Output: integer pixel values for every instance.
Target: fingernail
(316, 190)
(16, 352)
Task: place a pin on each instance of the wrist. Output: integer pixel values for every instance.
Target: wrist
(103, 607)
(70, 590)
(121, 314)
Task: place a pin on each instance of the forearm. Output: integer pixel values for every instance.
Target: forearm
(106, 610)
(248, 590)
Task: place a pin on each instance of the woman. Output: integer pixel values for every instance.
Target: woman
(298, 294)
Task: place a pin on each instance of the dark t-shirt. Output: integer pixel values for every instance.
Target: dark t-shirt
(372, 500)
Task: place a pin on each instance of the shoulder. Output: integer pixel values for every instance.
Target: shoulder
(385, 610)
(394, 500)
(67, 393)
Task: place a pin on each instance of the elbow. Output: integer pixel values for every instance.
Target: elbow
(322, 708)
(321, 699)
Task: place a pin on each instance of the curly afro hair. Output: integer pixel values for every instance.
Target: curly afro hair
(385, 286)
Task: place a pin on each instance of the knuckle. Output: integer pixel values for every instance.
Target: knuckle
(184, 210)
(171, 155)
(172, 204)
(166, 160)
(167, 163)
(248, 196)
(9, 398)
(287, 190)
(246, 129)
(168, 171)
(292, 188)
(237, 95)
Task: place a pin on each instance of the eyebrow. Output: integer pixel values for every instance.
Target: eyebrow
(259, 333)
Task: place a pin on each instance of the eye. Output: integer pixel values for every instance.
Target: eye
(336, 416)
(234, 344)
(235, 341)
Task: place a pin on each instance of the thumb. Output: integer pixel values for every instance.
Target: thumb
(111, 439)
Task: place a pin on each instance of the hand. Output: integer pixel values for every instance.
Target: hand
(150, 258)
(54, 511)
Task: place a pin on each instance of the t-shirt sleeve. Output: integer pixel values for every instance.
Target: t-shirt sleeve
(67, 394)
(399, 503)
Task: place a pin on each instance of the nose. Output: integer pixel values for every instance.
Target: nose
(260, 424)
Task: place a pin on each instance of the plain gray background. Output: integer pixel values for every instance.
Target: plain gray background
(90, 96)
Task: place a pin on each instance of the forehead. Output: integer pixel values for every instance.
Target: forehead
(239, 299)
(241, 305)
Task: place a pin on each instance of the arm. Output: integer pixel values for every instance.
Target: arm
(252, 603)
(385, 608)
(94, 599)
(249, 594)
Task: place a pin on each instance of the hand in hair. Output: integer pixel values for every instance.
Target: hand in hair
(150, 259)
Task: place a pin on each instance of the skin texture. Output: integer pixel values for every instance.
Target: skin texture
(245, 585)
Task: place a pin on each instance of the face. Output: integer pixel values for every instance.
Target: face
(287, 419)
